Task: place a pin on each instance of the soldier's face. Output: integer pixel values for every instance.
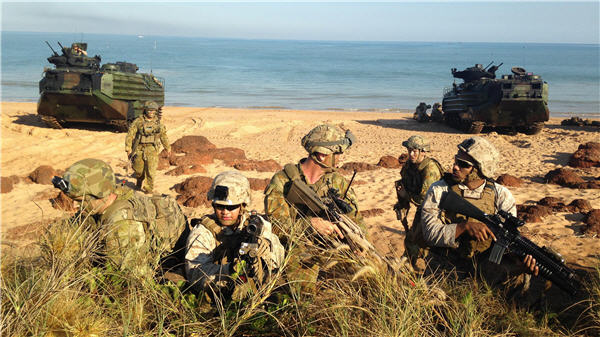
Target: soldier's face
(461, 168)
(415, 155)
(227, 215)
(150, 113)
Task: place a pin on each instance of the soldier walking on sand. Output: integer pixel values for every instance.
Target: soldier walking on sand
(137, 232)
(325, 145)
(142, 146)
(216, 257)
(419, 172)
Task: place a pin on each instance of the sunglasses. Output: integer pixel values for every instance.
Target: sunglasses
(226, 207)
(462, 163)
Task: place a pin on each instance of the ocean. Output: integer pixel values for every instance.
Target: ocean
(323, 75)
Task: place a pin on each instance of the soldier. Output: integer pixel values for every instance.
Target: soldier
(418, 174)
(142, 146)
(214, 256)
(464, 244)
(437, 114)
(420, 114)
(137, 231)
(324, 144)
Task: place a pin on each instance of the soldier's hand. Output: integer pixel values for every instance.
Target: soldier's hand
(531, 266)
(325, 227)
(478, 230)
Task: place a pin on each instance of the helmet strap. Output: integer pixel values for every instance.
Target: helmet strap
(326, 167)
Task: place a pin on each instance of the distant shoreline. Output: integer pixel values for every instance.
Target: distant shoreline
(589, 115)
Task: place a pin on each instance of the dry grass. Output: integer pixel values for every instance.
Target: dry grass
(64, 292)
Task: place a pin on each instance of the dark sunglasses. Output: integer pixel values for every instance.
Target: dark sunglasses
(226, 207)
(462, 163)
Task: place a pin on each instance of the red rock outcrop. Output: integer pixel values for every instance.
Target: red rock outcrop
(192, 191)
(63, 202)
(257, 165)
(579, 206)
(592, 221)
(508, 180)
(190, 144)
(8, 183)
(389, 162)
(257, 184)
(371, 212)
(587, 155)
(42, 175)
(358, 167)
(229, 155)
(194, 158)
(564, 177)
(186, 169)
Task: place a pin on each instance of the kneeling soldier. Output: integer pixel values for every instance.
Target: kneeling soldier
(231, 247)
(137, 231)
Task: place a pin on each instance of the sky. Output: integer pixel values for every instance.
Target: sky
(438, 21)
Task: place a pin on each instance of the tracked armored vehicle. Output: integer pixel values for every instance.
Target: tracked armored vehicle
(513, 103)
(78, 89)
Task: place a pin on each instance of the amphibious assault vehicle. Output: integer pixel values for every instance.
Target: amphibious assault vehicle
(517, 102)
(78, 89)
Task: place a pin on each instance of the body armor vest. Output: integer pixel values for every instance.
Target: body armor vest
(228, 242)
(468, 246)
(412, 179)
(160, 215)
(149, 131)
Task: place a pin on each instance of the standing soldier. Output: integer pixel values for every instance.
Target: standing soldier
(437, 114)
(417, 174)
(137, 231)
(218, 255)
(324, 144)
(142, 145)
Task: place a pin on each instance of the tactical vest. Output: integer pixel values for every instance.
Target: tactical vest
(160, 215)
(149, 131)
(467, 245)
(227, 244)
(413, 179)
(292, 171)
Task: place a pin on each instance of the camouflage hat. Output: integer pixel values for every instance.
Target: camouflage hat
(150, 105)
(89, 177)
(483, 153)
(229, 188)
(328, 138)
(417, 142)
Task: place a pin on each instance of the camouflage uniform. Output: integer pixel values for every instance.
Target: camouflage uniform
(437, 114)
(420, 114)
(212, 254)
(137, 230)
(465, 255)
(147, 133)
(326, 139)
(416, 179)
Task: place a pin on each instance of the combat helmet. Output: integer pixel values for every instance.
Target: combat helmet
(483, 153)
(229, 188)
(150, 105)
(87, 177)
(418, 143)
(327, 139)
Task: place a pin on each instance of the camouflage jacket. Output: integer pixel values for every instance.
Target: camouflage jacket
(439, 229)
(416, 178)
(138, 230)
(284, 214)
(212, 250)
(145, 131)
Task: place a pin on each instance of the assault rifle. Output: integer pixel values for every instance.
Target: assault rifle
(508, 239)
(333, 208)
(249, 246)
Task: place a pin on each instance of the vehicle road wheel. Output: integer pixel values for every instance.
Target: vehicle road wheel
(534, 128)
(474, 127)
(51, 122)
(120, 125)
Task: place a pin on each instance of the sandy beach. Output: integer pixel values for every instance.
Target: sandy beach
(275, 134)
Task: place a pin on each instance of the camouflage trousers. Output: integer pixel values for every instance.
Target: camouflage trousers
(145, 163)
(415, 247)
(510, 276)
